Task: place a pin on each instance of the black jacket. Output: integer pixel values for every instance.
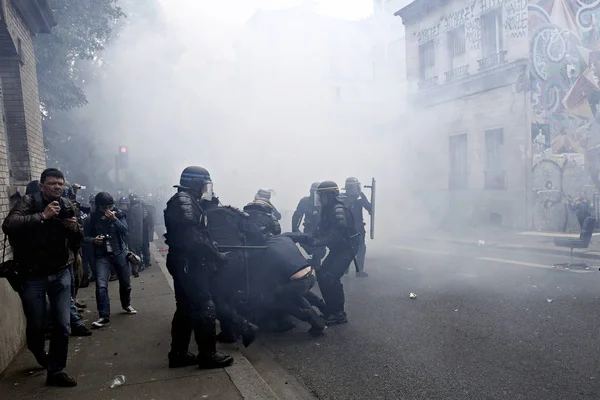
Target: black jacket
(263, 217)
(98, 224)
(185, 221)
(282, 258)
(336, 228)
(40, 247)
(356, 205)
(306, 209)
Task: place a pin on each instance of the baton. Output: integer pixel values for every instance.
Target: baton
(355, 264)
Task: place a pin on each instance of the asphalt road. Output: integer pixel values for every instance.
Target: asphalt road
(486, 324)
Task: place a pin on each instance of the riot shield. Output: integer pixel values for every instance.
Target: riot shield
(373, 191)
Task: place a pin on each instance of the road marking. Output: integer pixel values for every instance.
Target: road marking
(528, 264)
(445, 253)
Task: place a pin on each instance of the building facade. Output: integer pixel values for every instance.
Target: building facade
(514, 88)
(468, 64)
(22, 155)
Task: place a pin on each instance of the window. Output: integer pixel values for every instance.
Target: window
(495, 176)
(491, 31)
(427, 60)
(459, 174)
(456, 47)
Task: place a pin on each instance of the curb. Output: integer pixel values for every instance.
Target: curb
(242, 374)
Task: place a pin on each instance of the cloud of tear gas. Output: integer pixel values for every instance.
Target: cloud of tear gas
(273, 98)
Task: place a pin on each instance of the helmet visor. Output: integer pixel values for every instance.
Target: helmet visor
(207, 191)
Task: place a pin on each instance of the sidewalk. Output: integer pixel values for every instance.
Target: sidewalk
(531, 241)
(136, 347)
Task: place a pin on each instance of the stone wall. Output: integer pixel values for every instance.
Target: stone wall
(22, 156)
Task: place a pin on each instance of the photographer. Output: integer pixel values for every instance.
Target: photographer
(44, 233)
(106, 230)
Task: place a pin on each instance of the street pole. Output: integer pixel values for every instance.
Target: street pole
(117, 173)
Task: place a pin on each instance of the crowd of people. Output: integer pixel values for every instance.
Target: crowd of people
(230, 265)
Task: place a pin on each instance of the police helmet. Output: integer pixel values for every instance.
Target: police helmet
(352, 186)
(194, 178)
(314, 187)
(327, 192)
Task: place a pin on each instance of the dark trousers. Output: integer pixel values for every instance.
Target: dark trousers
(195, 311)
(33, 296)
(362, 252)
(146, 253)
(329, 277)
(290, 298)
(317, 253)
(103, 271)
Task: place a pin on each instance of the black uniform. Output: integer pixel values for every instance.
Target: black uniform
(312, 214)
(337, 231)
(263, 217)
(192, 259)
(356, 204)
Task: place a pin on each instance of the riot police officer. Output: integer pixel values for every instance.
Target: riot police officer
(308, 210)
(356, 200)
(337, 231)
(192, 261)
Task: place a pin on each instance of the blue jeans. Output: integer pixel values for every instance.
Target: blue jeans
(33, 296)
(123, 270)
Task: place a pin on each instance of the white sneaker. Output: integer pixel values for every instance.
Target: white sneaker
(130, 310)
(102, 322)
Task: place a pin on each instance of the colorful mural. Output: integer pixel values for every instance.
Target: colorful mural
(565, 95)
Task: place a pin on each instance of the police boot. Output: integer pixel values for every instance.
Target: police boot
(249, 333)
(337, 318)
(214, 360)
(209, 357)
(178, 360)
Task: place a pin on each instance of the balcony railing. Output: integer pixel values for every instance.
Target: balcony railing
(457, 73)
(428, 82)
(493, 60)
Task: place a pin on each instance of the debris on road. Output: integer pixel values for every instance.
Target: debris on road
(119, 380)
(413, 296)
(481, 243)
(549, 300)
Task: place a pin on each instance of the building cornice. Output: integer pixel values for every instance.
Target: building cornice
(419, 9)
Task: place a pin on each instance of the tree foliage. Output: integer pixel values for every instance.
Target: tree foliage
(84, 28)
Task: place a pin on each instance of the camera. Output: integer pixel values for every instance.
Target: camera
(107, 245)
(66, 210)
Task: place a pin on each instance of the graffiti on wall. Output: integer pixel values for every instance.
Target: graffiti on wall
(514, 21)
(565, 92)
